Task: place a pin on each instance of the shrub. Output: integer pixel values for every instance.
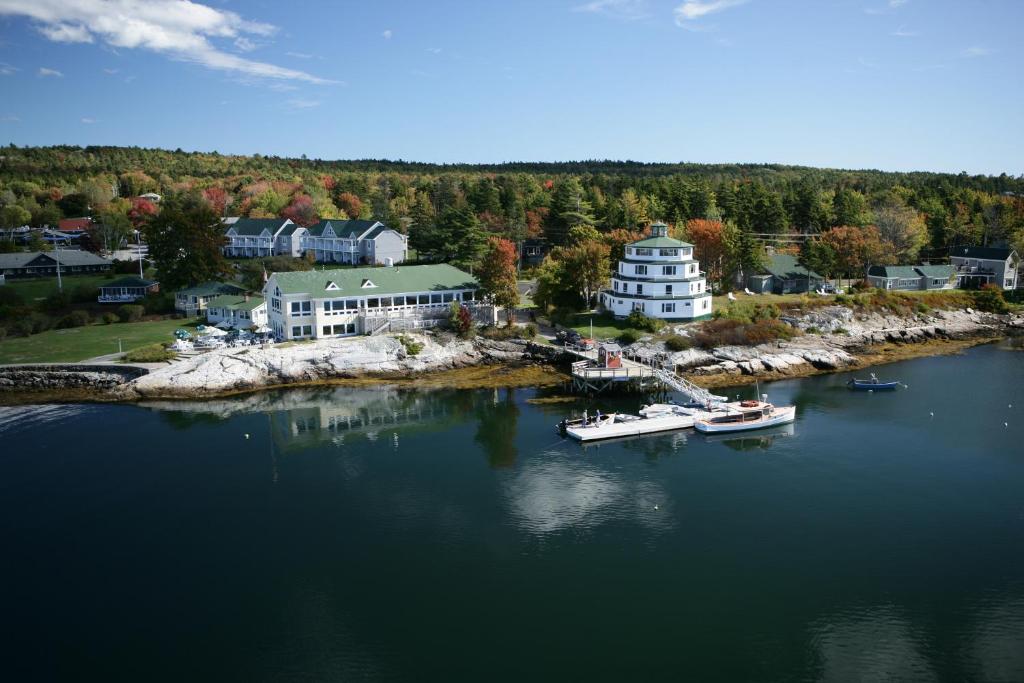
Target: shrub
(3, 333)
(813, 330)
(530, 330)
(9, 296)
(131, 313)
(638, 321)
(508, 332)
(627, 337)
(151, 353)
(843, 299)
(109, 318)
(678, 342)
(840, 330)
(40, 322)
(159, 303)
(57, 301)
(76, 318)
(83, 294)
(990, 299)
(460, 320)
(412, 347)
(727, 332)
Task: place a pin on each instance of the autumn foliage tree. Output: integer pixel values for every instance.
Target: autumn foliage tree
(350, 204)
(709, 245)
(301, 211)
(497, 274)
(857, 248)
(141, 211)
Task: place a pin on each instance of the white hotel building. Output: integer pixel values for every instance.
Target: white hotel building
(660, 278)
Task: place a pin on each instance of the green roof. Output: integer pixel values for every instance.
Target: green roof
(344, 228)
(212, 289)
(386, 280)
(255, 226)
(940, 272)
(786, 267)
(235, 302)
(664, 242)
(905, 272)
(129, 282)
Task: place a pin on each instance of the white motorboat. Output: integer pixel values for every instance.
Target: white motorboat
(664, 417)
(742, 416)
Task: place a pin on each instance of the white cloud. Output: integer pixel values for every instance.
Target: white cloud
(976, 51)
(10, 118)
(111, 71)
(303, 104)
(387, 34)
(44, 72)
(87, 120)
(7, 69)
(897, 3)
(434, 50)
(621, 9)
(692, 10)
(181, 29)
(300, 55)
(904, 33)
(244, 44)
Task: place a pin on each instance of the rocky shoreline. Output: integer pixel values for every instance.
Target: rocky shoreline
(834, 338)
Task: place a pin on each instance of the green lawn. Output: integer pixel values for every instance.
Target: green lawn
(32, 289)
(605, 326)
(80, 343)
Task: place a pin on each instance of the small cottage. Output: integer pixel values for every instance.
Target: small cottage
(783, 274)
(126, 290)
(609, 356)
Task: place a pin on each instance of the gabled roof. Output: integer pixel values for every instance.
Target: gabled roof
(347, 229)
(786, 267)
(388, 280)
(893, 272)
(987, 253)
(213, 288)
(68, 257)
(290, 229)
(130, 281)
(252, 227)
(236, 302)
(937, 272)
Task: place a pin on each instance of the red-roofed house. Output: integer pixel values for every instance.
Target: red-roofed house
(74, 226)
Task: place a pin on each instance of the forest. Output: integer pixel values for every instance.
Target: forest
(839, 220)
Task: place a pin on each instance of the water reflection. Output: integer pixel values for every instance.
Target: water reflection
(497, 421)
(751, 441)
(545, 497)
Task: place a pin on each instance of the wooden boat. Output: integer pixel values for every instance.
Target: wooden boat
(871, 384)
(652, 420)
(745, 416)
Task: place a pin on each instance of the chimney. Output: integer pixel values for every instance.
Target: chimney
(247, 296)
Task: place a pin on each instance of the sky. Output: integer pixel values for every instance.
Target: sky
(889, 84)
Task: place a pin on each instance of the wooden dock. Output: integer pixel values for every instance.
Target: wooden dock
(633, 376)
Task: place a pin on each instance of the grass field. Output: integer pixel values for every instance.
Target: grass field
(35, 288)
(79, 343)
(605, 326)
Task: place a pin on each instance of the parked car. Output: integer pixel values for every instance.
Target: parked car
(567, 337)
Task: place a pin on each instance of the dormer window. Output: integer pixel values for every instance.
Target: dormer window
(331, 286)
(368, 284)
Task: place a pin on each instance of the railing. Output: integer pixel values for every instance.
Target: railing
(118, 298)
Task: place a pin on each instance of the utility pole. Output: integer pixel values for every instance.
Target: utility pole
(60, 285)
(138, 239)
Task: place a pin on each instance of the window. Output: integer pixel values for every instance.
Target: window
(639, 288)
(275, 304)
(641, 270)
(302, 308)
(307, 330)
(670, 252)
(640, 251)
(469, 296)
(435, 298)
(385, 302)
(424, 299)
(705, 304)
(341, 329)
(690, 269)
(448, 296)
(327, 330)
(373, 303)
(351, 304)
(615, 285)
(668, 270)
(296, 331)
(668, 290)
(668, 308)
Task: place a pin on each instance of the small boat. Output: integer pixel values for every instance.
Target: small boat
(665, 417)
(744, 416)
(871, 384)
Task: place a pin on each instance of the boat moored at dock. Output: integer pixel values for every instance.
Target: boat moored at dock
(744, 416)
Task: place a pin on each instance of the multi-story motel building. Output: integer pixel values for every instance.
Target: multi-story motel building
(347, 301)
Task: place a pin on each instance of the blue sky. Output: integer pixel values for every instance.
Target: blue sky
(889, 84)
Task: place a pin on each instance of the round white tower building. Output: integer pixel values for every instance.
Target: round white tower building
(660, 278)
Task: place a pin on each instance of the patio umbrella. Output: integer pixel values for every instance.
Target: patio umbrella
(213, 332)
(224, 325)
(262, 329)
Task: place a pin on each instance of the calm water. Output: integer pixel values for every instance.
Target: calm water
(377, 534)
